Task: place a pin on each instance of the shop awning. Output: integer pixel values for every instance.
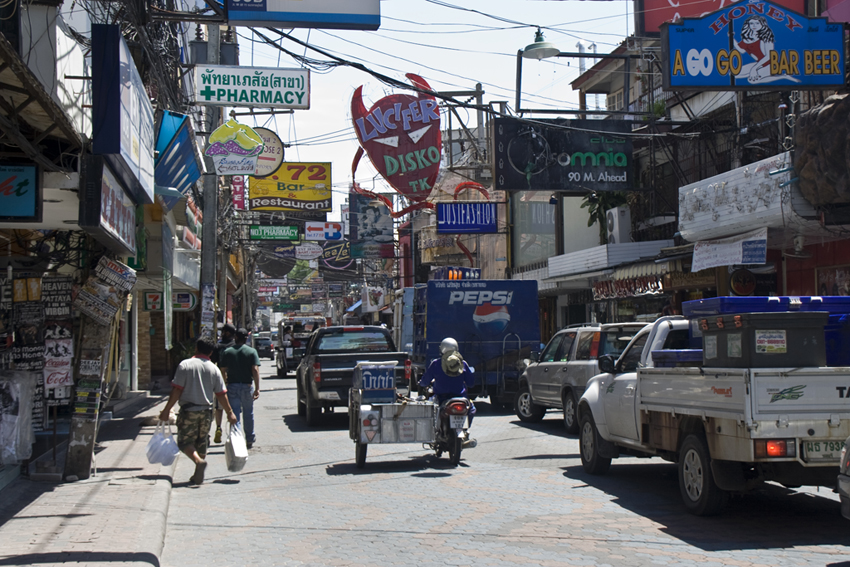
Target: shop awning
(354, 307)
(647, 269)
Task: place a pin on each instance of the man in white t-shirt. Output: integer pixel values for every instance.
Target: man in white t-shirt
(197, 383)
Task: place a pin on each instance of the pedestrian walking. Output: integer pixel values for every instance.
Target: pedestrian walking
(240, 365)
(228, 339)
(197, 382)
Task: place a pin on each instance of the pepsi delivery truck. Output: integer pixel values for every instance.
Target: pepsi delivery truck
(495, 323)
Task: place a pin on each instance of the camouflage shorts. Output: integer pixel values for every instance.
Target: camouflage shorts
(193, 429)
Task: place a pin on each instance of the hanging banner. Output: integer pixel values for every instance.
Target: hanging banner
(756, 45)
(234, 148)
(748, 248)
(373, 299)
(293, 187)
(266, 87)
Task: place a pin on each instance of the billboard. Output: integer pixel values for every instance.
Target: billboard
(650, 14)
(293, 187)
(573, 156)
(320, 14)
(371, 228)
(466, 218)
(753, 46)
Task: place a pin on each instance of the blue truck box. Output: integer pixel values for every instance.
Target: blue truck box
(834, 304)
(495, 323)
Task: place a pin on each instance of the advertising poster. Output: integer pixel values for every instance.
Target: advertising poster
(6, 329)
(371, 228)
(373, 299)
(56, 296)
(294, 186)
(28, 349)
(20, 197)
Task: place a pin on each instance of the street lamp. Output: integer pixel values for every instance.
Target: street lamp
(540, 49)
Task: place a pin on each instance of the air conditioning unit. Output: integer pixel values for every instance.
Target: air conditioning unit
(619, 222)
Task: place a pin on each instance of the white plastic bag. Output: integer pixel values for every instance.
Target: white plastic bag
(235, 449)
(162, 448)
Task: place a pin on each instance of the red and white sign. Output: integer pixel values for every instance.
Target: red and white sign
(653, 13)
(57, 379)
(237, 186)
(267, 290)
(323, 231)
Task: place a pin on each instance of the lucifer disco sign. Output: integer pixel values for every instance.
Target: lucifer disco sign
(753, 45)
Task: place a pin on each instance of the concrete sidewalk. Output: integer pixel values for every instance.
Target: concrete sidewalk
(116, 517)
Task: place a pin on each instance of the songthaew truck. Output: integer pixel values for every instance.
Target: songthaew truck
(494, 322)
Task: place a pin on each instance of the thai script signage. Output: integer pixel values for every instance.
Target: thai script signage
(753, 45)
(223, 85)
(573, 156)
(259, 232)
(466, 218)
(272, 155)
(294, 186)
(20, 193)
(328, 14)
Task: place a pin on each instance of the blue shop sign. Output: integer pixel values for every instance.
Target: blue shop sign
(122, 119)
(322, 14)
(20, 193)
(177, 164)
(467, 218)
(753, 45)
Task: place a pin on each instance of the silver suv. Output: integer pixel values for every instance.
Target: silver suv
(557, 377)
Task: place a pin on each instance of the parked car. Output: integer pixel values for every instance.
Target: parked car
(557, 377)
(264, 347)
(844, 480)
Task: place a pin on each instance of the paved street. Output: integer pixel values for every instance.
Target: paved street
(519, 498)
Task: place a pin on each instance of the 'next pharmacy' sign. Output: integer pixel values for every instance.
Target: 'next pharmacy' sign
(466, 218)
(753, 45)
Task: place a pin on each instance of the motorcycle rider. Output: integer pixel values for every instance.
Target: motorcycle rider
(449, 376)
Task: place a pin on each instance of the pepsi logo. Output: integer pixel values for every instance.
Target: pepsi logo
(491, 319)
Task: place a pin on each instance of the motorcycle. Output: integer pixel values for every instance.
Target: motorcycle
(450, 435)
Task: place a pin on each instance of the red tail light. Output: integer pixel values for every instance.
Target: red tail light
(456, 408)
(407, 369)
(317, 372)
(775, 448)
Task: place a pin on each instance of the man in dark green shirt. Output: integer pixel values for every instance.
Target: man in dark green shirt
(240, 365)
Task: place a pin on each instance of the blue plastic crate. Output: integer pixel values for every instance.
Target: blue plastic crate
(837, 337)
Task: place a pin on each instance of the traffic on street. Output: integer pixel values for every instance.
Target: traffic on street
(521, 497)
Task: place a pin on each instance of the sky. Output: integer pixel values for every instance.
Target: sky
(452, 44)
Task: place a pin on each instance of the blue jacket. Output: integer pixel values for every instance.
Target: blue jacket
(444, 385)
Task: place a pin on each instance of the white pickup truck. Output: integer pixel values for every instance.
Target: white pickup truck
(729, 429)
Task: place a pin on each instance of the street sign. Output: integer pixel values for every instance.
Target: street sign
(261, 232)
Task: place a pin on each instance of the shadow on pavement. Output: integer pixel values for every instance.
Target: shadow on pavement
(81, 557)
(549, 426)
(385, 464)
(770, 518)
(330, 422)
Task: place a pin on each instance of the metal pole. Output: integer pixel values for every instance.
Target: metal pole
(209, 246)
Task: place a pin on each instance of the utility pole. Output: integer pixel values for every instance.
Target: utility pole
(209, 245)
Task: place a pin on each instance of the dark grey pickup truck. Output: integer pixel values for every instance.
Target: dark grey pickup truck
(326, 372)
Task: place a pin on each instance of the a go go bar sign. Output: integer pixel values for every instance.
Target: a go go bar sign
(259, 232)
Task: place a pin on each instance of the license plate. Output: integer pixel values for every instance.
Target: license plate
(456, 421)
(822, 450)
